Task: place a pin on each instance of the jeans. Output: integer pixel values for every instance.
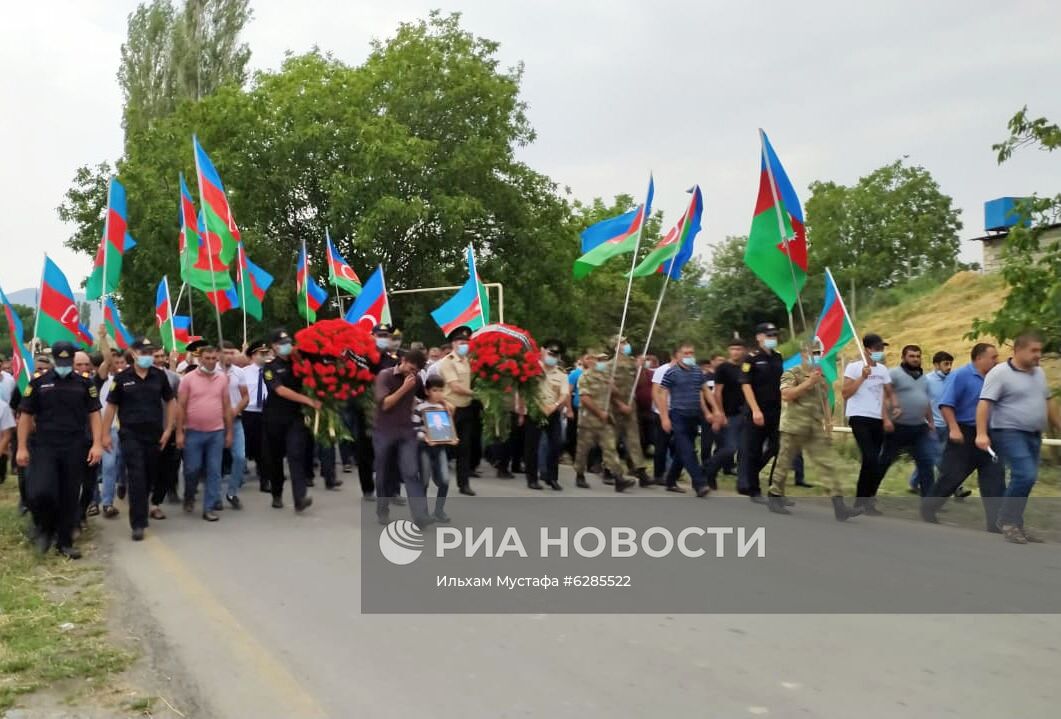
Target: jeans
(683, 434)
(919, 441)
(400, 456)
(869, 436)
(113, 468)
(238, 452)
(940, 434)
(727, 441)
(202, 456)
(433, 468)
(1020, 451)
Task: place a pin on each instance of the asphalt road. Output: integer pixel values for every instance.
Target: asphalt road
(261, 614)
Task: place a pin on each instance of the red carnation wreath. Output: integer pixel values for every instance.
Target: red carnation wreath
(334, 363)
(504, 360)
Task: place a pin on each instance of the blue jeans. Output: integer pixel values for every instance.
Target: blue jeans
(238, 451)
(941, 442)
(919, 441)
(433, 467)
(1020, 451)
(202, 455)
(113, 468)
(398, 457)
(683, 435)
(727, 442)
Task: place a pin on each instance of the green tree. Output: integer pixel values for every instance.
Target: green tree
(1031, 266)
(25, 314)
(892, 226)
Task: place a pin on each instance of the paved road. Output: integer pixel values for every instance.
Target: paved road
(261, 612)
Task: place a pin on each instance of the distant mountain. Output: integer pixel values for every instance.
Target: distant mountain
(29, 299)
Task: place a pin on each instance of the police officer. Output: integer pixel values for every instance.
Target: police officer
(595, 426)
(143, 399)
(553, 400)
(805, 428)
(55, 410)
(760, 381)
(284, 431)
(258, 352)
(456, 371)
(624, 412)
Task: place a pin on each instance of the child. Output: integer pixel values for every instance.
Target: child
(433, 456)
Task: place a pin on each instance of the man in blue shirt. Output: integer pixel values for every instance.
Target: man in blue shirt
(961, 394)
(942, 363)
(682, 405)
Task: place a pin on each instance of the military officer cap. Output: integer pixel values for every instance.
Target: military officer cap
(42, 358)
(766, 328)
(383, 329)
(256, 346)
(461, 333)
(553, 347)
(279, 336)
(142, 344)
(195, 346)
(63, 354)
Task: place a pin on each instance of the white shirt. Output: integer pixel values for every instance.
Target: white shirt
(868, 401)
(657, 378)
(7, 419)
(7, 387)
(236, 379)
(251, 373)
(104, 392)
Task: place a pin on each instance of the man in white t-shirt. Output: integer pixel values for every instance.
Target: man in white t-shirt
(235, 458)
(867, 391)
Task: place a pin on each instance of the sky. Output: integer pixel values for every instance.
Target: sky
(615, 90)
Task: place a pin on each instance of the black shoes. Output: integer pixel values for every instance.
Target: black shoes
(333, 485)
(441, 517)
(777, 505)
(219, 506)
(675, 488)
(580, 481)
(842, 512)
(804, 484)
(121, 491)
(554, 485)
(189, 506)
(138, 534)
(622, 484)
(703, 492)
(398, 501)
(304, 504)
(234, 501)
(505, 474)
(534, 484)
(263, 487)
(68, 552)
(348, 468)
(210, 517)
(608, 477)
(278, 503)
(42, 542)
(643, 480)
(466, 490)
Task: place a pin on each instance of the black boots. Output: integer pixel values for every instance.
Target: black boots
(580, 481)
(842, 512)
(643, 480)
(777, 504)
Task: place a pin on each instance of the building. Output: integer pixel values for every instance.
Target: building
(999, 216)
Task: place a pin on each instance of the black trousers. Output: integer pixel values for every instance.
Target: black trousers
(476, 436)
(961, 460)
(869, 436)
(169, 465)
(571, 437)
(286, 437)
(464, 421)
(364, 454)
(553, 431)
(141, 456)
(758, 446)
(660, 449)
(52, 486)
(512, 449)
(252, 433)
(87, 491)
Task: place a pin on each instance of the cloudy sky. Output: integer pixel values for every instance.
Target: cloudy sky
(615, 89)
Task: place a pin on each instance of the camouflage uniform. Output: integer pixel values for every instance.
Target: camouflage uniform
(626, 425)
(803, 430)
(591, 431)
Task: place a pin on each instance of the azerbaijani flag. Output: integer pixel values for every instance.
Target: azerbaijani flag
(57, 315)
(201, 265)
(182, 332)
(340, 273)
(164, 316)
(226, 299)
(21, 359)
(116, 241)
(221, 231)
(310, 295)
(777, 243)
(113, 321)
(253, 282)
(220, 290)
(469, 307)
(672, 252)
(834, 329)
(371, 307)
(614, 236)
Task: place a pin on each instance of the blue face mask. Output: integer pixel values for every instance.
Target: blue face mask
(462, 350)
(550, 361)
(815, 360)
(627, 349)
(284, 350)
(770, 343)
(602, 366)
(876, 356)
(64, 371)
(689, 361)
(144, 361)
(382, 343)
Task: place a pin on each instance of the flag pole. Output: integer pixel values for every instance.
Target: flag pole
(784, 236)
(333, 278)
(840, 299)
(305, 281)
(241, 255)
(191, 312)
(106, 241)
(648, 340)
(177, 302)
(626, 302)
(40, 291)
(475, 272)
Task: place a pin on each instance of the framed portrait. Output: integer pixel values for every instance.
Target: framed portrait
(438, 427)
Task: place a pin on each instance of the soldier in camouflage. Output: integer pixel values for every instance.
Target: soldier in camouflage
(624, 412)
(805, 428)
(595, 426)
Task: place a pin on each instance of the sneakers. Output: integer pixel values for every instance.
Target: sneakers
(1019, 535)
(234, 501)
(210, 517)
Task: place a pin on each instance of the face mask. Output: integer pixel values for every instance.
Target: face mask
(143, 362)
(602, 366)
(770, 343)
(63, 371)
(550, 361)
(815, 360)
(876, 356)
(204, 370)
(462, 350)
(627, 349)
(689, 361)
(284, 350)
(382, 343)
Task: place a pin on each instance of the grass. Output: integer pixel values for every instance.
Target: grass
(52, 614)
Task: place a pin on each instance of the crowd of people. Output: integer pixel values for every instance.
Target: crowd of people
(92, 429)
